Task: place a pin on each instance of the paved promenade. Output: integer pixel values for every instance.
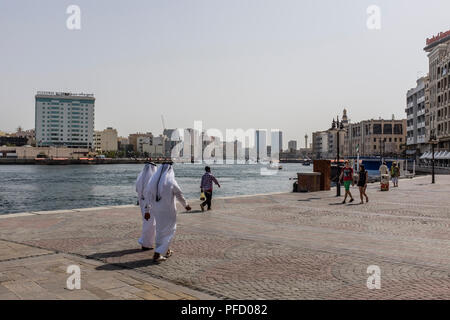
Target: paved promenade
(280, 246)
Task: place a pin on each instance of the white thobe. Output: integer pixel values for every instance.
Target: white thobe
(165, 212)
(147, 238)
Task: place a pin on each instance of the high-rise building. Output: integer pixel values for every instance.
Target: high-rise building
(64, 119)
(438, 49)
(261, 144)
(292, 145)
(276, 142)
(320, 145)
(416, 131)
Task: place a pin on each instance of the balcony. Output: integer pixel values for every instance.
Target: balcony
(421, 99)
(410, 141)
(420, 112)
(421, 139)
(410, 116)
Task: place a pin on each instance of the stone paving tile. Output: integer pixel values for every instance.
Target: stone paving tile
(9, 250)
(278, 246)
(44, 277)
(27, 289)
(128, 292)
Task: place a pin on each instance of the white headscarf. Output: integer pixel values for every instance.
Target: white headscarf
(144, 177)
(162, 182)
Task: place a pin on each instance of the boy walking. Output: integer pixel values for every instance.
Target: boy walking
(206, 187)
(347, 176)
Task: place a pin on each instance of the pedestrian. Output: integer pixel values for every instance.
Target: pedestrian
(395, 174)
(164, 191)
(363, 178)
(206, 186)
(147, 238)
(384, 177)
(347, 176)
(384, 169)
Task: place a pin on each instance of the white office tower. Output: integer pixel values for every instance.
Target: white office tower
(64, 119)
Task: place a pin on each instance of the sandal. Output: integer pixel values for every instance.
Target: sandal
(158, 258)
(168, 254)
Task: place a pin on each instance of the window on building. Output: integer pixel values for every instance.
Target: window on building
(377, 128)
(387, 128)
(398, 128)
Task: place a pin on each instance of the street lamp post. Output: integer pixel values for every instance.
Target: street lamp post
(338, 126)
(433, 181)
(433, 142)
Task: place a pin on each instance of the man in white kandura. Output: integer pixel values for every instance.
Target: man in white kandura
(147, 238)
(164, 191)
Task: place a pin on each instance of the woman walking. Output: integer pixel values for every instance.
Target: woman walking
(362, 183)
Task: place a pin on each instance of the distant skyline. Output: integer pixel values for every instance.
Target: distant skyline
(290, 65)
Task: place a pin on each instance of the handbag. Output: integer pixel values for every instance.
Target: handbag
(202, 196)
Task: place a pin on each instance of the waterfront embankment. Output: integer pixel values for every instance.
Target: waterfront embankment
(90, 161)
(276, 246)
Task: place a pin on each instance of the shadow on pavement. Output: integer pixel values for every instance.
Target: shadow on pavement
(309, 199)
(192, 212)
(112, 254)
(126, 265)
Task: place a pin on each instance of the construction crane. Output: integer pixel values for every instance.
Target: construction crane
(163, 122)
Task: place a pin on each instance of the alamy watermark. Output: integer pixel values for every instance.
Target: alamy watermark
(73, 22)
(74, 280)
(374, 280)
(374, 17)
(235, 146)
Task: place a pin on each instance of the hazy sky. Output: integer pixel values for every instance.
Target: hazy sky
(284, 64)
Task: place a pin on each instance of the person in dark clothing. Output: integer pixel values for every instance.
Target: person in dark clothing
(206, 187)
(362, 183)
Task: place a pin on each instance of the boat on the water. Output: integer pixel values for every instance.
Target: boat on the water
(274, 166)
(307, 162)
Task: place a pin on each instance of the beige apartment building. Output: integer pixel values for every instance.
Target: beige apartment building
(154, 147)
(106, 140)
(438, 49)
(375, 138)
(133, 140)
